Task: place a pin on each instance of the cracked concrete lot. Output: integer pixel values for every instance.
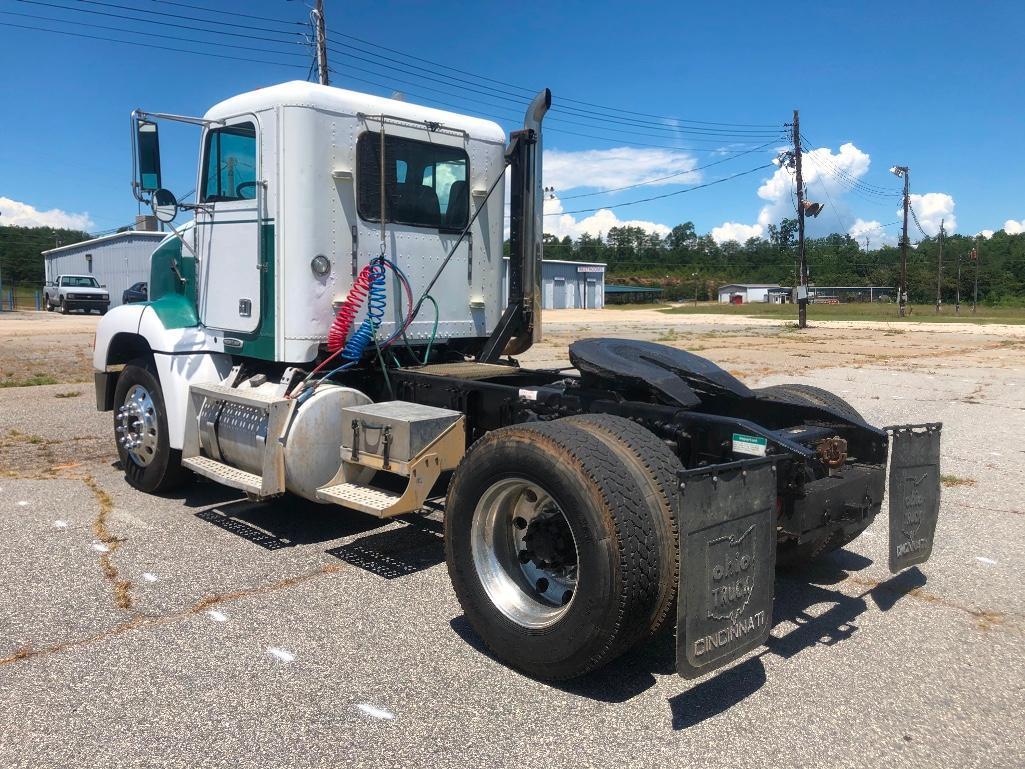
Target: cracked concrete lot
(205, 630)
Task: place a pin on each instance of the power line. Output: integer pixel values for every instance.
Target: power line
(666, 195)
(149, 34)
(733, 156)
(180, 16)
(161, 23)
(531, 91)
(230, 13)
(150, 45)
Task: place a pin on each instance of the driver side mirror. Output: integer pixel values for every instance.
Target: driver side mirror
(147, 145)
(164, 205)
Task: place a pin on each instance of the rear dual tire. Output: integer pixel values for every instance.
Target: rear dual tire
(598, 534)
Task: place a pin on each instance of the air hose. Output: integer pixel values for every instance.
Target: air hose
(369, 283)
(364, 335)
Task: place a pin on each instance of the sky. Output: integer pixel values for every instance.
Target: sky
(683, 102)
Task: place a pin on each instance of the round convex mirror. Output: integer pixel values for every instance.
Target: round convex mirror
(165, 206)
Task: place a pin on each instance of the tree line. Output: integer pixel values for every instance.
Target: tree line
(684, 262)
(21, 251)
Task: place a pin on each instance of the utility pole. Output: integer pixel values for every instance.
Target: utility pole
(939, 271)
(318, 16)
(902, 295)
(975, 258)
(957, 291)
(802, 289)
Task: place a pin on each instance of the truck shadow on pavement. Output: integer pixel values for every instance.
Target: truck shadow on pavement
(799, 623)
(390, 548)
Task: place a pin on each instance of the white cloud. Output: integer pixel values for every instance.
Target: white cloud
(598, 223)
(828, 177)
(736, 231)
(617, 167)
(1012, 227)
(14, 212)
(821, 168)
(932, 208)
(872, 231)
(987, 234)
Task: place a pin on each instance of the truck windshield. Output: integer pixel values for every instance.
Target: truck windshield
(79, 281)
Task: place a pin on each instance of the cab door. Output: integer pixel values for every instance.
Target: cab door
(231, 196)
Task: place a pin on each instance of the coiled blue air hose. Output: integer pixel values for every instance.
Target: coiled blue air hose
(376, 302)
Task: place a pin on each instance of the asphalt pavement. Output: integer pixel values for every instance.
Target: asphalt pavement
(205, 630)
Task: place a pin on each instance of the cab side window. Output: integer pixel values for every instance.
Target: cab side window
(229, 164)
(425, 183)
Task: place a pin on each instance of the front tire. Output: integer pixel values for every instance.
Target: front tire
(63, 306)
(551, 549)
(140, 431)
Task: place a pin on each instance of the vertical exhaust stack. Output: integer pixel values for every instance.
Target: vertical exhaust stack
(527, 225)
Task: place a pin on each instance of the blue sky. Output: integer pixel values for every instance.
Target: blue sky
(934, 86)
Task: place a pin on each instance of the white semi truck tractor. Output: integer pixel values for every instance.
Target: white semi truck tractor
(332, 323)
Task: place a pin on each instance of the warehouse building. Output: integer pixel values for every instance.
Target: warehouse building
(568, 285)
(745, 293)
(632, 295)
(117, 261)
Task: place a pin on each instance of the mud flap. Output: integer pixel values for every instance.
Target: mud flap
(728, 563)
(914, 492)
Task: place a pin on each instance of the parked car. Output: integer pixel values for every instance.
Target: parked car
(135, 293)
(76, 292)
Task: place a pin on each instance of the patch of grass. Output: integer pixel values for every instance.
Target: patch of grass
(956, 480)
(68, 394)
(871, 311)
(32, 381)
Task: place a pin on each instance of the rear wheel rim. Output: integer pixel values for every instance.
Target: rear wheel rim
(524, 552)
(136, 425)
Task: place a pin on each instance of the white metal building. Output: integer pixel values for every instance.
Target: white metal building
(748, 292)
(116, 261)
(567, 285)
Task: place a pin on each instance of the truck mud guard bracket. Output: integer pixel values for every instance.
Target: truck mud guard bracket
(728, 563)
(914, 492)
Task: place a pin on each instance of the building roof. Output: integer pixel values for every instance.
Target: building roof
(631, 289)
(749, 285)
(567, 261)
(107, 239)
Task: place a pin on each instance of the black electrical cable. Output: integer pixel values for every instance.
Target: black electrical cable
(733, 156)
(666, 195)
(150, 45)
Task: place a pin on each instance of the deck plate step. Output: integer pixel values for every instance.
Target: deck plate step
(250, 396)
(224, 474)
(364, 498)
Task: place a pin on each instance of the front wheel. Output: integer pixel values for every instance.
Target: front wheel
(140, 430)
(63, 306)
(552, 552)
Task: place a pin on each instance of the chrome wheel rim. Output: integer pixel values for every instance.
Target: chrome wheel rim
(136, 426)
(524, 552)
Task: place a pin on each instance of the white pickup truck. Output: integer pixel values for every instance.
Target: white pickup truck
(76, 292)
